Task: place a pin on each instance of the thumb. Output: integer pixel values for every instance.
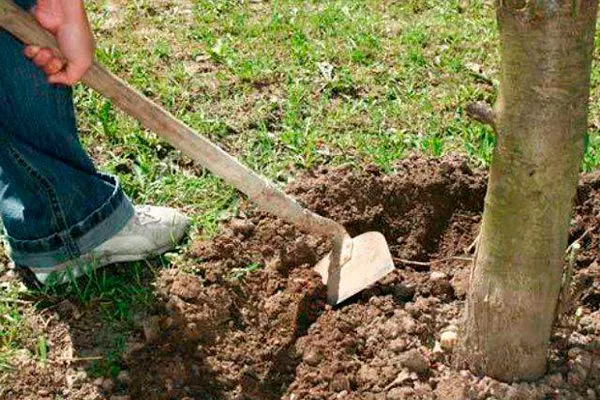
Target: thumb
(49, 14)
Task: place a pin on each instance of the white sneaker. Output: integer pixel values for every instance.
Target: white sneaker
(151, 232)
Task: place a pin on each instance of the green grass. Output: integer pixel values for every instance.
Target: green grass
(284, 85)
(12, 326)
(114, 296)
(115, 299)
(238, 274)
(289, 85)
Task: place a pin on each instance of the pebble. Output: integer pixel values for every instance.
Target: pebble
(367, 374)
(589, 324)
(124, 378)
(400, 393)
(404, 376)
(442, 289)
(403, 293)
(390, 330)
(21, 356)
(74, 377)
(98, 381)
(414, 361)
(340, 383)
(497, 389)
(312, 357)
(408, 324)
(193, 331)
(437, 349)
(576, 339)
(243, 226)
(448, 340)
(451, 388)
(108, 385)
(520, 391)
(397, 345)
(555, 380)
(387, 373)
(437, 276)
(465, 374)
(574, 352)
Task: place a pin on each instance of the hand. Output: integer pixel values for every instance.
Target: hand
(67, 21)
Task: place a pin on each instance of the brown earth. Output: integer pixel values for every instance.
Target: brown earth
(250, 321)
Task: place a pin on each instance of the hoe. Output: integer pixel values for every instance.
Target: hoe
(352, 265)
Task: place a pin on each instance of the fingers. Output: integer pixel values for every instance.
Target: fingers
(60, 78)
(54, 66)
(43, 57)
(46, 59)
(31, 51)
(70, 75)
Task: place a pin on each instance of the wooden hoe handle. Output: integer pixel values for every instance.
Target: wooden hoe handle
(155, 118)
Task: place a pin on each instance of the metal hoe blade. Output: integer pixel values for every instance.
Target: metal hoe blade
(370, 261)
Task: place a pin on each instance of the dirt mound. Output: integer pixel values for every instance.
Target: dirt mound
(276, 338)
(240, 322)
(250, 321)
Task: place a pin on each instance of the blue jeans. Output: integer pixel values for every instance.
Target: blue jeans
(54, 204)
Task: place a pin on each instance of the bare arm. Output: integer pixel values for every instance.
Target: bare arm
(67, 21)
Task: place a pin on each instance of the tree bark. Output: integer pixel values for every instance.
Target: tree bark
(541, 119)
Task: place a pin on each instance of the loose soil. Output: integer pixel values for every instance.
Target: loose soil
(250, 320)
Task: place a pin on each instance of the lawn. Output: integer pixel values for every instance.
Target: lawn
(285, 86)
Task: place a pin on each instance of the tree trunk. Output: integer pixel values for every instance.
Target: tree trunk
(541, 119)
